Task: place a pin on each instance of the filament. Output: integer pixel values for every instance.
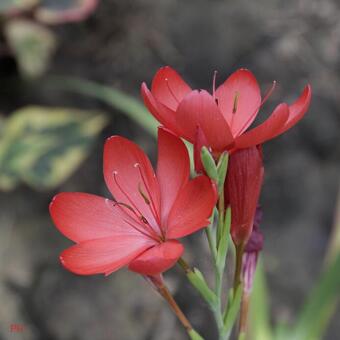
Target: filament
(214, 86)
(265, 98)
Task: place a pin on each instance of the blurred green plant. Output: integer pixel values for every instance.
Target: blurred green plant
(125, 103)
(24, 26)
(318, 308)
(32, 44)
(43, 146)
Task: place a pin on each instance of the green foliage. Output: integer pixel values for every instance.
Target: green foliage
(318, 308)
(223, 242)
(194, 335)
(8, 6)
(32, 45)
(197, 279)
(119, 100)
(259, 307)
(232, 310)
(43, 146)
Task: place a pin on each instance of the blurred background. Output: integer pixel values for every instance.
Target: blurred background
(52, 131)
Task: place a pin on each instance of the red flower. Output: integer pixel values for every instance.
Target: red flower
(242, 190)
(224, 116)
(150, 211)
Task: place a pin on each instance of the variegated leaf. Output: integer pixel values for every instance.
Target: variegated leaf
(43, 146)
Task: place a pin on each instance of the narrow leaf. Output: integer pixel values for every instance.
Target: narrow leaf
(196, 278)
(232, 311)
(222, 168)
(132, 107)
(317, 311)
(259, 307)
(194, 335)
(224, 242)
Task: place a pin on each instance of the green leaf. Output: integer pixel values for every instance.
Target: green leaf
(259, 307)
(43, 146)
(132, 107)
(317, 311)
(224, 242)
(58, 12)
(196, 278)
(33, 46)
(194, 335)
(232, 311)
(14, 6)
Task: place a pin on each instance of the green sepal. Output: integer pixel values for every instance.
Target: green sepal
(197, 279)
(209, 163)
(222, 167)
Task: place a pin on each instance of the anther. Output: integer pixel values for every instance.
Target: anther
(236, 98)
(145, 197)
(214, 85)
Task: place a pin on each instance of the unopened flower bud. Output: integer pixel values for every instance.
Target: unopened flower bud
(242, 190)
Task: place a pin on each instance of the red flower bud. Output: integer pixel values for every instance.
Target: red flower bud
(242, 190)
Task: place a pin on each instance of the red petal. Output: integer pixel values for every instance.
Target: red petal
(103, 255)
(169, 88)
(267, 130)
(129, 176)
(242, 190)
(158, 259)
(173, 169)
(162, 113)
(82, 217)
(198, 108)
(192, 208)
(243, 84)
(298, 109)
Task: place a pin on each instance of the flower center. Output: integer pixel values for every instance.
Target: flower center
(137, 220)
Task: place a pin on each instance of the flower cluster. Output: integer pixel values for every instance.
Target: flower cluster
(150, 210)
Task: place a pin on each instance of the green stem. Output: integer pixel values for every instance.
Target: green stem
(237, 282)
(221, 211)
(218, 313)
(238, 266)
